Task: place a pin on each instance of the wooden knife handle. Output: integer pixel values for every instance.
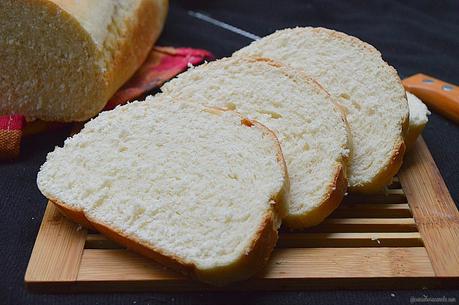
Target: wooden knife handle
(440, 96)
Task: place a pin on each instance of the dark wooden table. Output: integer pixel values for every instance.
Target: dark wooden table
(414, 36)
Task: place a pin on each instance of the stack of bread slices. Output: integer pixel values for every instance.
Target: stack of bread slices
(201, 176)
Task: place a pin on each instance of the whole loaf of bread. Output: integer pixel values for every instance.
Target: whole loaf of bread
(63, 59)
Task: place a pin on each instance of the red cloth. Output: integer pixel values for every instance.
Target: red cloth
(10, 135)
(162, 64)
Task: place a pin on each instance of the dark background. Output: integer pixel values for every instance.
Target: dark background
(413, 36)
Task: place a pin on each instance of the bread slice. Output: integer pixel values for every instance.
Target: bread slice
(195, 188)
(62, 60)
(418, 119)
(312, 132)
(366, 87)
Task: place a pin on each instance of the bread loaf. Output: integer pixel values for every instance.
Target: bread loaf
(311, 130)
(63, 59)
(418, 119)
(198, 189)
(366, 87)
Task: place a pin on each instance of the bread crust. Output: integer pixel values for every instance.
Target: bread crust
(386, 174)
(334, 197)
(255, 256)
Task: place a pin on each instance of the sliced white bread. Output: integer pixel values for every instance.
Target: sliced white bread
(62, 60)
(197, 189)
(366, 87)
(418, 119)
(312, 132)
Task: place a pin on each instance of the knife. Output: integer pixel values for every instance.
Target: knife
(440, 96)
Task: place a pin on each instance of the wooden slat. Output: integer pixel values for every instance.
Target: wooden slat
(287, 268)
(311, 240)
(104, 264)
(58, 248)
(100, 265)
(340, 262)
(349, 240)
(338, 225)
(366, 225)
(433, 208)
(391, 196)
(369, 210)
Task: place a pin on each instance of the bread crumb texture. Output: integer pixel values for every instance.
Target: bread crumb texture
(368, 89)
(192, 184)
(418, 111)
(418, 119)
(310, 129)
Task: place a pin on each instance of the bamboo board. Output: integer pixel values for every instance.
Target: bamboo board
(407, 238)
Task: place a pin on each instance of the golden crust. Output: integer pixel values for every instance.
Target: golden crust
(335, 196)
(255, 256)
(385, 175)
(254, 259)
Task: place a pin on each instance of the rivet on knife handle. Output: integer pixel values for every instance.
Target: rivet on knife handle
(437, 94)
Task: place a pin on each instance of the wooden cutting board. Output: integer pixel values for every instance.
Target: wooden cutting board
(407, 238)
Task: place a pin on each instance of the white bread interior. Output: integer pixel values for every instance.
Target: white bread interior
(368, 89)
(418, 119)
(312, 132)
(198, 189)
(63, 59)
